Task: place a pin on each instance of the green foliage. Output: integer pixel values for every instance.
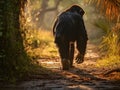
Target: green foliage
(110, 48)
(103, 24)
(39, 44)
(100, 29)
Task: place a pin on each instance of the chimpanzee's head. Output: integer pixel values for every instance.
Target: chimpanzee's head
(76, 8)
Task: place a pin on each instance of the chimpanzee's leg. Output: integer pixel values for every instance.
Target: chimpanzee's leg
(71, 53)
(81, 46)
(63, 47)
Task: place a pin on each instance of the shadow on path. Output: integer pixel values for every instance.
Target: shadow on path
(82, 77)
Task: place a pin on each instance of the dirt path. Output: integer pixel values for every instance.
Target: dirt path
(85, 76)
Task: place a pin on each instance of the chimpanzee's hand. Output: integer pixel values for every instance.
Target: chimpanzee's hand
(79, 58)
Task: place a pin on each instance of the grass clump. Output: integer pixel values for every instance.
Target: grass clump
(111, 51)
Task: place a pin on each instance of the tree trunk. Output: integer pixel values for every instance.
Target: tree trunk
(13, 57)
(2, 33)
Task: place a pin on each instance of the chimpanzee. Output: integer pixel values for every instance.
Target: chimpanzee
(69, 28)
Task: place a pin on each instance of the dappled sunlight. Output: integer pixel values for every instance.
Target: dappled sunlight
(50, 63)
(90, 58)
(90, 53)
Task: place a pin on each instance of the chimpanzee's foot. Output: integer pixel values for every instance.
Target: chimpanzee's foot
(79, 59)
(65, 64)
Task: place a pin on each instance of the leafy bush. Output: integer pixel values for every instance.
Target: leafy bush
(39, 44)
(111, 48)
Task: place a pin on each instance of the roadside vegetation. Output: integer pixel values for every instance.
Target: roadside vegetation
(40, 44)
(110, 43)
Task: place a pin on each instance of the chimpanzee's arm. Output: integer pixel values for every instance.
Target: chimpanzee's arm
(81, 42)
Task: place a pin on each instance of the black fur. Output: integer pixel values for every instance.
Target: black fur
(69, 28)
